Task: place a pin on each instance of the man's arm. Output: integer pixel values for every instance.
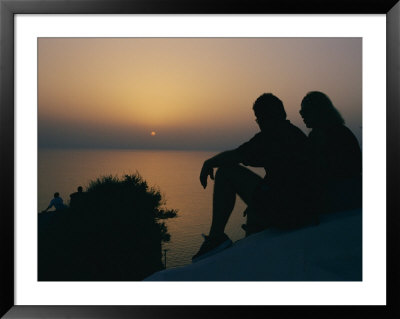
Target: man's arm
(48, 207)
(224, 158)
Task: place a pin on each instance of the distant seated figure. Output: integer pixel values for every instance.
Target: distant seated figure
(335, 154)
(77, 198)
(57, 202)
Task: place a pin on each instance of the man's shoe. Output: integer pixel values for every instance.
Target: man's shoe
(212, 246)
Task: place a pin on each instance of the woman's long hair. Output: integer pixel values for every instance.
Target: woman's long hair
(322, 109)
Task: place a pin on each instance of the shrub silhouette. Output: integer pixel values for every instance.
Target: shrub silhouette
(115, 233)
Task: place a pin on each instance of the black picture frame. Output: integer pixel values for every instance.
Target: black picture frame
(8, 8)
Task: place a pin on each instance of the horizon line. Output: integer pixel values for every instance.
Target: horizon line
(130, 148)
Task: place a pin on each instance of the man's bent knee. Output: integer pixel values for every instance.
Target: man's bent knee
(243, 180)
(227, 171)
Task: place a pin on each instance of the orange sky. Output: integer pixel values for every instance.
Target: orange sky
(193, 93)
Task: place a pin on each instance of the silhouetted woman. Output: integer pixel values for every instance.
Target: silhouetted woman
(335, 155)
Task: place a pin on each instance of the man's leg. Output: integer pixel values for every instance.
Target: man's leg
(229, 181)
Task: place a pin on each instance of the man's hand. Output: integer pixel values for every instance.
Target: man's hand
(206, 171)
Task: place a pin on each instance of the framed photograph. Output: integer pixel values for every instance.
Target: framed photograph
(110, 112)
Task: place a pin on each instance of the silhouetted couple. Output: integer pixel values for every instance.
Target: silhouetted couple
(304, 176)
(76, 201)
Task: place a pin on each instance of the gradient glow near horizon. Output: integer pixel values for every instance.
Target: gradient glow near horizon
(185, 93)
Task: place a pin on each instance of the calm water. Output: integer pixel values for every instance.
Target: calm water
(176, 173)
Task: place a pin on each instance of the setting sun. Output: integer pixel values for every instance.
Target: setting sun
(204, 87)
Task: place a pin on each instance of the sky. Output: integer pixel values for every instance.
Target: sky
(185, 93)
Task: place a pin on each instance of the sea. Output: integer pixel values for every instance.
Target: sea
(174, 173)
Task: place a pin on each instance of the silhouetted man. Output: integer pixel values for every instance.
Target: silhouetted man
(76, 199)
(275, 201)
(57, 202)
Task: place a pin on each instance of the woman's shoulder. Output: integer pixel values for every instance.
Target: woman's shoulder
(343, 132)
(334, 134)
(336, 131)
(343, 129)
